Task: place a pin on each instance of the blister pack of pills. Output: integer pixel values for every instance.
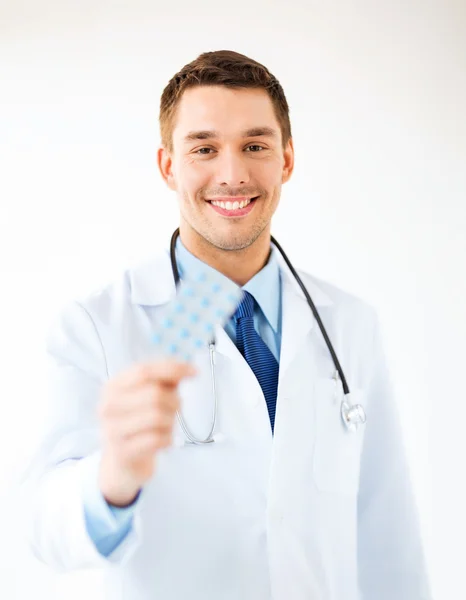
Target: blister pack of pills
(188, 322)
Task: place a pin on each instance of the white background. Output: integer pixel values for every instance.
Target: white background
(376, 205)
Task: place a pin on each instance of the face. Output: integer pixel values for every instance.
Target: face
(227, 165)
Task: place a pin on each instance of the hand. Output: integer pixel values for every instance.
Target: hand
(137, 413)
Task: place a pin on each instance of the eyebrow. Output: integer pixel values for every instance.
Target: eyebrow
(253, 132)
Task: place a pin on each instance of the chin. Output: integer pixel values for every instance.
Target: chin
(232, 241)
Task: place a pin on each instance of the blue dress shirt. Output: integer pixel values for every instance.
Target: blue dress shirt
(108, 525)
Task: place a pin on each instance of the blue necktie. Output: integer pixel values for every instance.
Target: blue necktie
(257, 353)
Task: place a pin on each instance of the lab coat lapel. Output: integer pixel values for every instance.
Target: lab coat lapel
(152, 281)
(298, 320)
(230, 353)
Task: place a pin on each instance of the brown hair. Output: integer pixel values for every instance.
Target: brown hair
(223, 67)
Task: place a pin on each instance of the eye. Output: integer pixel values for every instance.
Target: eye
(202, 153)
(255, 146)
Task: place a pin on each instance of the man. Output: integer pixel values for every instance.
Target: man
(286, 502)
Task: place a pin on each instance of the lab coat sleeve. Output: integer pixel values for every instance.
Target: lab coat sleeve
(390, 554)
(53, 487)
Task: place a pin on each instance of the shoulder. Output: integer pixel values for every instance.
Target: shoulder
(350, 320)
(338, 299)
(353, 326)
(146, 282)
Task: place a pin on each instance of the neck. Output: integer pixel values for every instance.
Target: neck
(238, 265)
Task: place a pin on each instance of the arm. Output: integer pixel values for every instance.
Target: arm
(106, 524)
(390, 555)
(64, 468)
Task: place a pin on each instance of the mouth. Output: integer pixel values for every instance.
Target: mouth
(233, 207)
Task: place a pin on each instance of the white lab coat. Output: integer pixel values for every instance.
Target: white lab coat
(314, 513)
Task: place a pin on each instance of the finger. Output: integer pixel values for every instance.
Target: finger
(164, 372)
(150, 397)
(155, 421)
(158, 397)
(140, 446)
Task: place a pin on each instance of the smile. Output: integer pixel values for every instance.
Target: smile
(233, 208)
(231, 205)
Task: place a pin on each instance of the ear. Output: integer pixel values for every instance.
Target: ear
(164, 161)
(288, 165)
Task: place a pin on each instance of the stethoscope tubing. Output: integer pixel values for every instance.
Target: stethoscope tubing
(336, 362)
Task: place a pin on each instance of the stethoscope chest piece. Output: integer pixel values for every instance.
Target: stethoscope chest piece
(352, 416)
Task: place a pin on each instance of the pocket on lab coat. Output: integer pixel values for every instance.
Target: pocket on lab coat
(337, 451)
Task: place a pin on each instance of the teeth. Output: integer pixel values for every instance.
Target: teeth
(231, 205)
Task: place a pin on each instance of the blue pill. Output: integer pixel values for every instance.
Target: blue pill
(168, 323)
(216, 287)
(184, 333)
(205, 302)
(172, 348)
(198, 343)
(194, 318)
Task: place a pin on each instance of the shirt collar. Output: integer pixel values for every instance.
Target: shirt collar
(264, 286)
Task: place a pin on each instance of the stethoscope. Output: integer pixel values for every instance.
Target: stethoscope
(352, 415)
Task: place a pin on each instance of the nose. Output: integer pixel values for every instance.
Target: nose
(231, 169)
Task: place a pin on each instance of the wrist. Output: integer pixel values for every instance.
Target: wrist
(119, 490)
(121, 501)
